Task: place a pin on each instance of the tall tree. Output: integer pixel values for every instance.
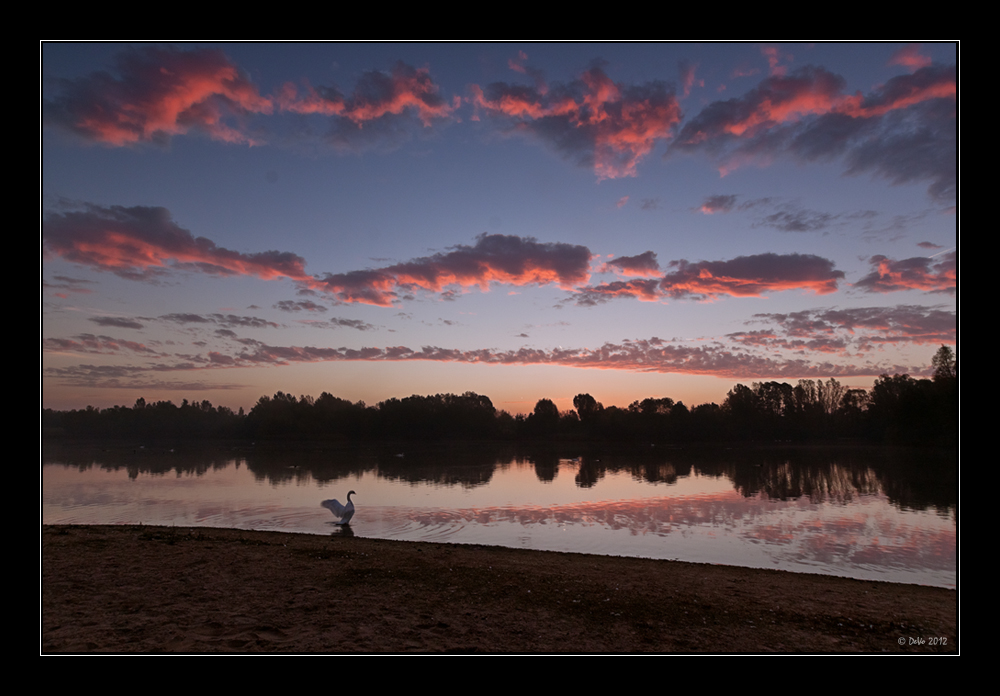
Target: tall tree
(944, 364)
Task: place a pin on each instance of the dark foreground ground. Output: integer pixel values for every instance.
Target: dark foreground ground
(164, 589)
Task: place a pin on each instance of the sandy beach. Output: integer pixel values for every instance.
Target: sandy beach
(111, 589)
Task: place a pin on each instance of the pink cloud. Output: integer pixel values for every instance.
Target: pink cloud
(744, 276)
(909, 56)
(517, 65)
(643, 290)
(687, 70)
(142, 242)
(159, 93)
(377, 94)
(751, 276)
(751, 355)
(326, 101)
(610, 126)
(494, 258)
(918, 273)
(774, 59)
(639, 355)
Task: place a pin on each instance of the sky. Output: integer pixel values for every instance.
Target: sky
(521, 220)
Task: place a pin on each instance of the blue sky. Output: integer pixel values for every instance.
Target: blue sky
(224, 221)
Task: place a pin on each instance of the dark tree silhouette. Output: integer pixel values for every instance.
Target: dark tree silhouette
(898, 409)
(944, 364)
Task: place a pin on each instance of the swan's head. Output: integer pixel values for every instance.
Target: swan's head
(349, 495)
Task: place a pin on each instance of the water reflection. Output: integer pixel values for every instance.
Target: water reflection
(873, 513)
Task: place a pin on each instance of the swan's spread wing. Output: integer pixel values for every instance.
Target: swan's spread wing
(335, 507)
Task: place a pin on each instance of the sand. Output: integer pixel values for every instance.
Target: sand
(112, 589)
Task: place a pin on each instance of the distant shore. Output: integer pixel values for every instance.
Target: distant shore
(109, 589)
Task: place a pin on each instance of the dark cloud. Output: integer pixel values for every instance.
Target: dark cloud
(821, 330)
(644, 264)
(769, 340)
(640, 355)
(117, 322)
(299, 306)
(340, 323)
(718, 204)
(179, 318)
(62, 286)
(865, 327)
(89, 343)
(918, 145)
(352, 324)
(243, 321)
(904, 130)
(786, 217)
(798, 220)
(134, 377)
(227, 320)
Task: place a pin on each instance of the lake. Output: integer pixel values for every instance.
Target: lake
(869, 513)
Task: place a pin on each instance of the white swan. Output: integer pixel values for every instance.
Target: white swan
(344, 512)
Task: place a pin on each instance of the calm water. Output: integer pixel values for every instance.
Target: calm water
(865, 513)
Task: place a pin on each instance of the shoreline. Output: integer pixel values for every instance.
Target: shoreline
(110, 589)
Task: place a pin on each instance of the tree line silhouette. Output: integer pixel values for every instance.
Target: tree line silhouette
(897, 409)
